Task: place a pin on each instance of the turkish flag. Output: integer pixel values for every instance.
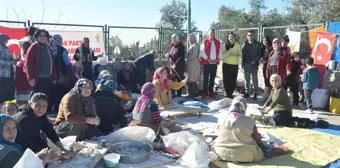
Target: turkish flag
(15, 34)
(323, 48)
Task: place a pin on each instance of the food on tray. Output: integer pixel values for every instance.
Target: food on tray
(131, 151)
(90, 152)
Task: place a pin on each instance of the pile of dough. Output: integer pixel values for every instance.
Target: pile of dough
(90, 152)
(128, 151)
(78, 146)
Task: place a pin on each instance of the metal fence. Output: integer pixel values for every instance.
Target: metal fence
(158, 39)
(9, 23)
(280, 31)
(241, 33)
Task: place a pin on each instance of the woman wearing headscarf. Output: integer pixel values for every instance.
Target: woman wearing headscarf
(109, 109)
(7, 82)
(97, 70)
(146, 112)
(77, 114)
(177, 61)
(266, 49)
(10, 151)
(143, 63)
(103, 75)
(127, 79)
(278, 61)
(238, 139)
(231, 55)
(64, 70)
(40, 67)
(163, 86)
(84, 55)
(193, 62)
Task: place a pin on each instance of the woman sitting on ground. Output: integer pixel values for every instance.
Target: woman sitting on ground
(279, 101)
(31, 120)
(77, 114)
(11, 152)
(239, 140)
(109, 109)
(163, 96)
(127, 79)
(146, 112)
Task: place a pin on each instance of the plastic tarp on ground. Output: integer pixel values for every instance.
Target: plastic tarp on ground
(334, 27)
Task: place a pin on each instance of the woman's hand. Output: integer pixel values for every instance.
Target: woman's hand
(53, 156)
(118, 93)
(91, 121)
(43, 155)
(32, 82)
(69, 154)
(265, 110)
(186, 76)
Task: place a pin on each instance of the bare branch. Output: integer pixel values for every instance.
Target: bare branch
(69, 21)
(24, 12)
(59, 16)
(7, 15)
(16, 14)
(43, 11)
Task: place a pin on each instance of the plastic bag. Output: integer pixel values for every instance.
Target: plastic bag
(320, 98)
(220, 104)
(180, 141)
(67, 142)
(29, 159)
(135, 133)
(196, 156)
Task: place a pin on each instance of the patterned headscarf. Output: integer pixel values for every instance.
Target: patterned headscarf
(238, 108)
(157, 76)
(109, 86)
(3, 118)
(77, 89)
(147, 94)
(57, 41)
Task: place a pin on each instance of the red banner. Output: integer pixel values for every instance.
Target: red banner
(15, 34)
(323, 48)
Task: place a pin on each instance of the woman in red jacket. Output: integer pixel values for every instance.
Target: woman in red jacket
(40, 69)
(278, 61)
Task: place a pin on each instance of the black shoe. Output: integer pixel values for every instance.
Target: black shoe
(230, 96)
(255, 97)
(246, 95)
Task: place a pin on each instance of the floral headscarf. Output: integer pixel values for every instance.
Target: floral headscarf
(57, 41)
(157, 76)
(77, 89)
(3, 118)
(109, 86)
(237, 109)
(147, 94)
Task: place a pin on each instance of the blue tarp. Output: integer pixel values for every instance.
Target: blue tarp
(334, 27)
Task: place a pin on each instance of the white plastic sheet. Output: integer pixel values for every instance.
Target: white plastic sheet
(220, 104)
(196, 156)
(29, 159)
(136, 133)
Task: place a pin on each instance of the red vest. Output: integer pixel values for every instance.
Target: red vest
(207, 48)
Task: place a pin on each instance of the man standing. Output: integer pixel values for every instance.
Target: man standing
(210, 53)
(251, 54)
(84, 56)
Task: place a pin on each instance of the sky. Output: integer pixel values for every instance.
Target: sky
(133, 13)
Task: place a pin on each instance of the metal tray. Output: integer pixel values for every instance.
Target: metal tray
(132, 159)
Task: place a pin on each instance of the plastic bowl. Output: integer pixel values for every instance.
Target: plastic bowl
(111, 160)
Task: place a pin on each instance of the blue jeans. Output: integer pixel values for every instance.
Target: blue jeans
(250, 70)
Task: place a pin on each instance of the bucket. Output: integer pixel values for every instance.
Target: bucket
(331, 65)
(111, 160)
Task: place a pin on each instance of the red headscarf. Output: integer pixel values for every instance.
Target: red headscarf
(157, 77)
